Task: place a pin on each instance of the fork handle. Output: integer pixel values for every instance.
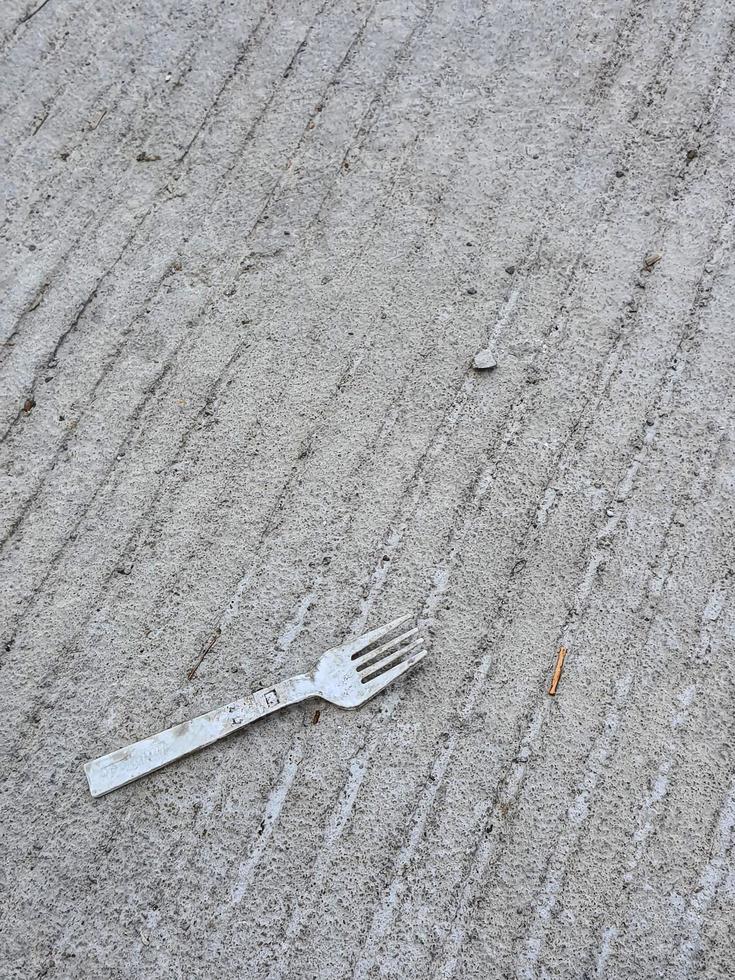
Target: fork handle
(112, 771)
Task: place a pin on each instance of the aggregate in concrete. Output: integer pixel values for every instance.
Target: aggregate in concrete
(250, 251)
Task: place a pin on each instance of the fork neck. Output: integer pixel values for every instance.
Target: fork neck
(290, 691)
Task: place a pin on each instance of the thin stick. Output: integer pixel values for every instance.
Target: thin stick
(191, 673)
(557, 670)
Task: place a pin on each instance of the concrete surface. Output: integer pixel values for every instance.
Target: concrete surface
(249, 253)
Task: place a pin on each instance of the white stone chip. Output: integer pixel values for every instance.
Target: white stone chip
(484, 360)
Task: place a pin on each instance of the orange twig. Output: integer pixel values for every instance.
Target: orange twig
(557, 670)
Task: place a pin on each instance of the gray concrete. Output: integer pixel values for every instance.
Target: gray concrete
(249, 253)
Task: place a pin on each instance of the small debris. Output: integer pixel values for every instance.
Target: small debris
(692, 154)
(557, 670)
(651, 260)
(484, 360)
(97, 119)
(37, 299)
(39, 121)
(29, 404)
(144, 157)
(471, 291)
(317, 716)
(191, 673)
(510, 269)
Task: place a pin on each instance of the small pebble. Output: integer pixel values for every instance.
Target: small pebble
(484, 360)
(471, 290)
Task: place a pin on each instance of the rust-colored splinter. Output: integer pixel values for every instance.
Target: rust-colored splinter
(557, 670)
(191, 673)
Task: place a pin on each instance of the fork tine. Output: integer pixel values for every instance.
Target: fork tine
(363, 660)
(393, 658)
(366, 639)
(382, 680)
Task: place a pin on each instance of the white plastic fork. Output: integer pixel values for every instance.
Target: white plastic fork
(348, 676)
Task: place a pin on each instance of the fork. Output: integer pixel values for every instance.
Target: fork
(347, 676)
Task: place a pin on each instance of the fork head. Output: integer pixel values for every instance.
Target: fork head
(351, 674)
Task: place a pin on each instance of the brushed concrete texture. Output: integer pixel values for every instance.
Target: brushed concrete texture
(249, 252)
